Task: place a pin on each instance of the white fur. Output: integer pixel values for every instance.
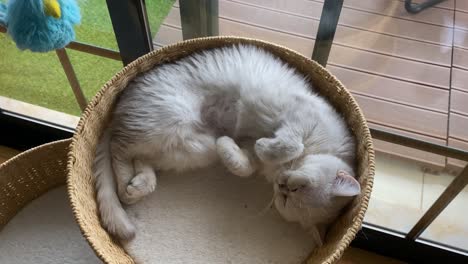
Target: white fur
(188, 114)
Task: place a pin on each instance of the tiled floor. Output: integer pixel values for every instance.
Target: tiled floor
(403, 191)
(408, 72)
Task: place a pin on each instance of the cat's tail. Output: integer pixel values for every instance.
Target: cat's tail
(113, 216)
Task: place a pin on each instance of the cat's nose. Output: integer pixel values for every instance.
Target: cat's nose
(287, 188)
(293, 187)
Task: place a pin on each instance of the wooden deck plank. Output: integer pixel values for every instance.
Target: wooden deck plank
(406, 152)
(397, 27)
(365, 40)
(343, 56)
(458, 164)
(300, 44)
(306, 8)
(227, 27)
(403, 117)
(458, 127)
(438, 16)
(461, 39)
(462, 5)
(461, 20)
(346, 36)
(447, 4)
(368, 21)
(460, 79)
(459, 103)
(391, 66)
(460, 58)
(394, 46)
(173, 18)
(400, 92)
(167, 35)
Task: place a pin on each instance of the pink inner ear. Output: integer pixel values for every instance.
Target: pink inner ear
(345, 184)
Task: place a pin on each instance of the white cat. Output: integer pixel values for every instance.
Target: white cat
(190, 114)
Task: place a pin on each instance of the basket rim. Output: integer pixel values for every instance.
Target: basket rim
(366, 139)
(34, 149)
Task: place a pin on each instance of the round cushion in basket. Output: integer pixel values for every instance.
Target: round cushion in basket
(29, 175)
(98, 113)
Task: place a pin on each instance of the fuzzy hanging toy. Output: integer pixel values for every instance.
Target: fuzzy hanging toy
(40, 25)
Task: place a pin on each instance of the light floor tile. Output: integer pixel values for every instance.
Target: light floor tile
(398, 181)
(395, 216)
(451, 226)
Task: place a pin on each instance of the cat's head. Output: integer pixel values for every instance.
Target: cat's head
(313, 190)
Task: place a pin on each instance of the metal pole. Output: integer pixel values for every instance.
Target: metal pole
(199, 18)
(455, 187)
(420, 144)
(72, 79)
(95, 50)
(131, 28)
(326, 32)
(87, 48)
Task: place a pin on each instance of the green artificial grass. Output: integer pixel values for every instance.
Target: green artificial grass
(38, 78)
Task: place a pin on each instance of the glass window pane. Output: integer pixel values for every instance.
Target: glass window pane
(36, 78)
(96, 26)
(396, 201)
(450, 227)
(93, 71)
(157, 11)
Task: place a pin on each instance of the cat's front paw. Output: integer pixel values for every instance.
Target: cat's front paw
(140, 186)
(236, 160)
(275, 150)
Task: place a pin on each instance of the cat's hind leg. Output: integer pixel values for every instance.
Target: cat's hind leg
(238, 161)
(142, 184)
(124, 172)
(135, 179)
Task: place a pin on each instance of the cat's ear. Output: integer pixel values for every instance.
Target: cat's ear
(345, 185)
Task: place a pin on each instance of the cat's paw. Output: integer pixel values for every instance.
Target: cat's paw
(274, 150)
(236, 160)
(140, 186)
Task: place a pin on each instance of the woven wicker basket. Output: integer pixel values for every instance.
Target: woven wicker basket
(30, 174)
(97, 115)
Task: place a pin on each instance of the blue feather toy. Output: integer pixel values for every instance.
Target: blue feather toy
(40, 25)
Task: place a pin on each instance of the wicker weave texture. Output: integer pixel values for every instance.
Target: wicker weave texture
(97, 115)
(29, 175)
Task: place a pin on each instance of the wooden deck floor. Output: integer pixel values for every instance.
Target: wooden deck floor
(409, 73)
